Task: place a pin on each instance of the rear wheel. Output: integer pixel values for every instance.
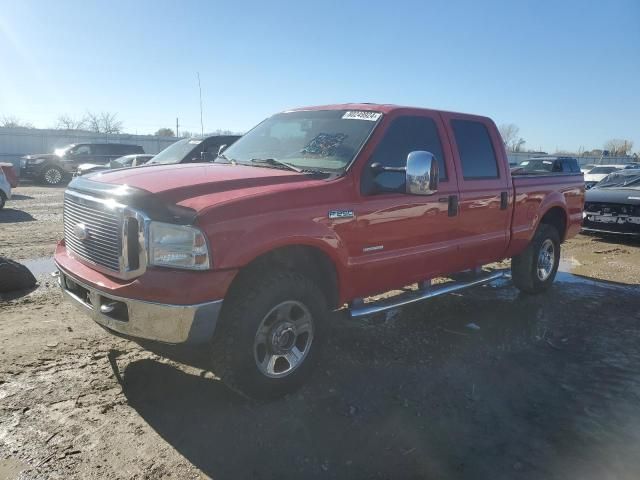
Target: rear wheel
(267, 341)
(534, 270)
(52, 175)
(3, 200)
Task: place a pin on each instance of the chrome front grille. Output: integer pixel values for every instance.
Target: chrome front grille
(104, 234)
(102, 227)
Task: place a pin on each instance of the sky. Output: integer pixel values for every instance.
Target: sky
(567, 73)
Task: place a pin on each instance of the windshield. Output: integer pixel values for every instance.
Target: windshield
(620, 179)
(537, 165)
(325, 140)
(60, 152)
(603, 170)
(176, 152)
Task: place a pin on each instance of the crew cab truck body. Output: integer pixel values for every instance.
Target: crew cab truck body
(311, 210)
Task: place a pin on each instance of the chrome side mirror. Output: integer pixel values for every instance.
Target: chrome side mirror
(422, 173)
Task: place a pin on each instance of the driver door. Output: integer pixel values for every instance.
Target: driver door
(398, 238)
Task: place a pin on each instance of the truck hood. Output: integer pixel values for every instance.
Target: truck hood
(199, 186)
(46, 156)
(627, 195)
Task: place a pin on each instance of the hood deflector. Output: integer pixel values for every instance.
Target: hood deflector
(152, 205)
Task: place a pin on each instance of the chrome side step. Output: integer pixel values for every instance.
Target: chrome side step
(359, 309)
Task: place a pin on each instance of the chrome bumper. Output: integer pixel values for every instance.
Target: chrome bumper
(141, 319)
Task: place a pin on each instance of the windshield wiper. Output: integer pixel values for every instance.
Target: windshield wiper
(276, 162)
(224, 157)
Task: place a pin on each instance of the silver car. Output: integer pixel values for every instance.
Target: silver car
(5, 189)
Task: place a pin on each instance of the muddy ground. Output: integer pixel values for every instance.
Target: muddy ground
(535, 387)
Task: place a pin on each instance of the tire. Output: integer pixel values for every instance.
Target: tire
(52, 175)
(3, 200)
(534, 270)
(14, 276)
(263, 320)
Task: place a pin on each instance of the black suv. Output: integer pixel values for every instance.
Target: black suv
(53, 168)
(190, 150)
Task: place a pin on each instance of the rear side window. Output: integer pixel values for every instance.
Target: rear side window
(404, 135)
(476, 151)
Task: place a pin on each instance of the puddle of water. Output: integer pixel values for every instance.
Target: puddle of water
(568, 263)
(40, 266)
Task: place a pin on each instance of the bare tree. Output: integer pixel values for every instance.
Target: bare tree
(10, 121)
(618, 146)
(186, 134)
(104, 122)
(67, 122)
(510, 136)
(165, 132)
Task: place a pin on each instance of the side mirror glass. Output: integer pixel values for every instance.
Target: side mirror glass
(421, 173)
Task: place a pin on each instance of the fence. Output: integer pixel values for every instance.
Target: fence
(16, 142)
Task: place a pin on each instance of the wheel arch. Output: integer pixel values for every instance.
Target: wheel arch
(308, 260)
(556, 216)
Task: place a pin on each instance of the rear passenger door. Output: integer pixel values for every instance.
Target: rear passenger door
(485, 188)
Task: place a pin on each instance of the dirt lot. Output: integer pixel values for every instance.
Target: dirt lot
(546, 387)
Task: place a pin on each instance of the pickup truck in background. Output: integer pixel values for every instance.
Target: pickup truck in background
(312, 210)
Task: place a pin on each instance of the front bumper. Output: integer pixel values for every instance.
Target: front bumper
(142, 319)
(621, 224)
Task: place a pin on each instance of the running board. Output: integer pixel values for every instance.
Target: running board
(361, 310)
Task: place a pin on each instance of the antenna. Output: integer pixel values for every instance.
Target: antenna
(200, 89)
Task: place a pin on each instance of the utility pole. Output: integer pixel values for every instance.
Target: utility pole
(200, 89)
(177, 128)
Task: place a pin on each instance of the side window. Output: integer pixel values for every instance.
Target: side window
(476, 150)
(83, 150)
(404, 135)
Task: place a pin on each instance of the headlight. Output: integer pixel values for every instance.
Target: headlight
(178, 246)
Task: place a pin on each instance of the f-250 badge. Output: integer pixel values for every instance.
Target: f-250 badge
(341, 214)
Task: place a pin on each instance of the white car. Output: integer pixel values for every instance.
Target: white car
(598, 172)
(5, 189)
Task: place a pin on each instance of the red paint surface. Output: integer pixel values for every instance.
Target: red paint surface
(248, 211)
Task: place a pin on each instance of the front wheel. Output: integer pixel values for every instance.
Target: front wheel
(534, 270)
(267, 342)
(52, 175)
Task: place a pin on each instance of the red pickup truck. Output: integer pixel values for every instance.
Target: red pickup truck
(312, 210)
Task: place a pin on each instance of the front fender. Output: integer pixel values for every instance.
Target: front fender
(237, 243)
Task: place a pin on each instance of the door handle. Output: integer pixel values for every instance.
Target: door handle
(453, 205)
(504, 200)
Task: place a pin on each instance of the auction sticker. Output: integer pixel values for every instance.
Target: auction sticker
(361, 115)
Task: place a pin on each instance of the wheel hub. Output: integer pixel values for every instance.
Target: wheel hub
(546, 260)
(283, 338)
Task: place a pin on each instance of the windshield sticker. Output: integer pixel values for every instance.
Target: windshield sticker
(359, 115)
(324, 144)
(195, 142)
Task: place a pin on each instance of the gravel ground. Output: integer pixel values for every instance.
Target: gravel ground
(484, 384)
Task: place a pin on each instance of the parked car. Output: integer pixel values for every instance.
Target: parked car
(311, 210)
(586, 168)
(53, 169)
(10, 173)
(598, 172)
(546, 165)
(193, 150)
(632, 166)
(121, 162)
(613, 205)
(5, 189)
